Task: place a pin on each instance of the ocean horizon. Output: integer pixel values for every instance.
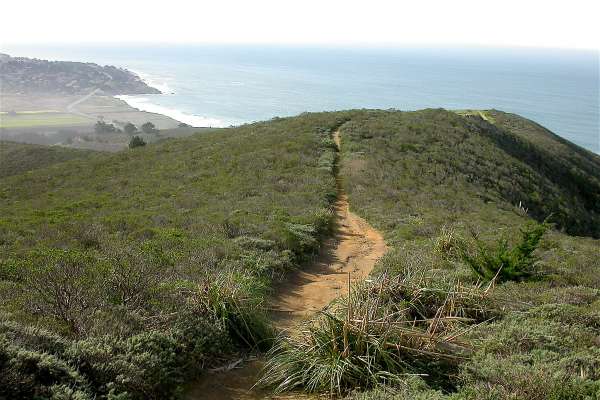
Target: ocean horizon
(221, 86)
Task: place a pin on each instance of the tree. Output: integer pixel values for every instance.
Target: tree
(103, 127)
(149, 127)
(136, 141)
(130, 128)
(503, 262)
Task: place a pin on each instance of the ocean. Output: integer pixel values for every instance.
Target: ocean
(230, 85)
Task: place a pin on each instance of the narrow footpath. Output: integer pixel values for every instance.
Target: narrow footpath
(351, 251)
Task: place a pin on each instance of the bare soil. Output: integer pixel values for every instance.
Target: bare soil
(350, 253)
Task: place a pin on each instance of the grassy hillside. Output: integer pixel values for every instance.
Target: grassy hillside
(504, 163)
(453, 195)
(122, 275)
(429, 179)
(560, 178)
(17, 158)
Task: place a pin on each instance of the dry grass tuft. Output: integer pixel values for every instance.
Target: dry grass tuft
(387, 330)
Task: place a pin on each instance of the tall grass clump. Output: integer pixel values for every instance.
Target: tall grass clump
(386, 331)
(236, 301)
(502, 262)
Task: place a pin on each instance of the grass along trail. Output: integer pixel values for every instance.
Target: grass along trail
(350, 253)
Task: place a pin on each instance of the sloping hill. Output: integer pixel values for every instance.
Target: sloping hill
(148, 264)
(18, 158)
(564, 179)
(509, 162)
(121, 274)
(429, 179)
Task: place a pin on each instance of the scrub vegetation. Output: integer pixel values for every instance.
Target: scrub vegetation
(18, 158)
(440, 185)
(122, 276)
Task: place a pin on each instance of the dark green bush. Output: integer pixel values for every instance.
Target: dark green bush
(502, 262)
(25, 373)
(130, 128)
(148, 127)
(136, 141)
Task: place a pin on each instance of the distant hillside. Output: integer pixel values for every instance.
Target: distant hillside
(507, 160)
(20, 75)
(555, 176)
(17, 158)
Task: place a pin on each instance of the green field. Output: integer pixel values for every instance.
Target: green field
(40, 119)
(484, 114)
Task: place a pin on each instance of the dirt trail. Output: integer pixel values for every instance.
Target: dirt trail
(353, 249)
(71, 107)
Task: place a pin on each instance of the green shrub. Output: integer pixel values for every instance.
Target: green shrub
(150, 365)
(130, 128)
(412, 388)
(66, 285)
(502, 262)
(148, 127)
(136, 141)
(232, 298)
(28, 373)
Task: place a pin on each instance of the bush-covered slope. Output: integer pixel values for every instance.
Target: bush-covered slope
(499, 163)
(23, 75)
(139, 268)
(123, 275)
(565, 179)
(430, 178)
(17, 158)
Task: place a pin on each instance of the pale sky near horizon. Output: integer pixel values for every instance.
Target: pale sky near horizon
(561, 24)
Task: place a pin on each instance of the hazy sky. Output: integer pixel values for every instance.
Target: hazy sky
(571, 24)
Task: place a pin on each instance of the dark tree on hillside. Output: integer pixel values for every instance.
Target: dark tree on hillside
(103, 127)
(130, 128)
(149, 127)
(136, 141)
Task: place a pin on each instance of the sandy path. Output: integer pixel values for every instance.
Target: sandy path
(353, 249)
